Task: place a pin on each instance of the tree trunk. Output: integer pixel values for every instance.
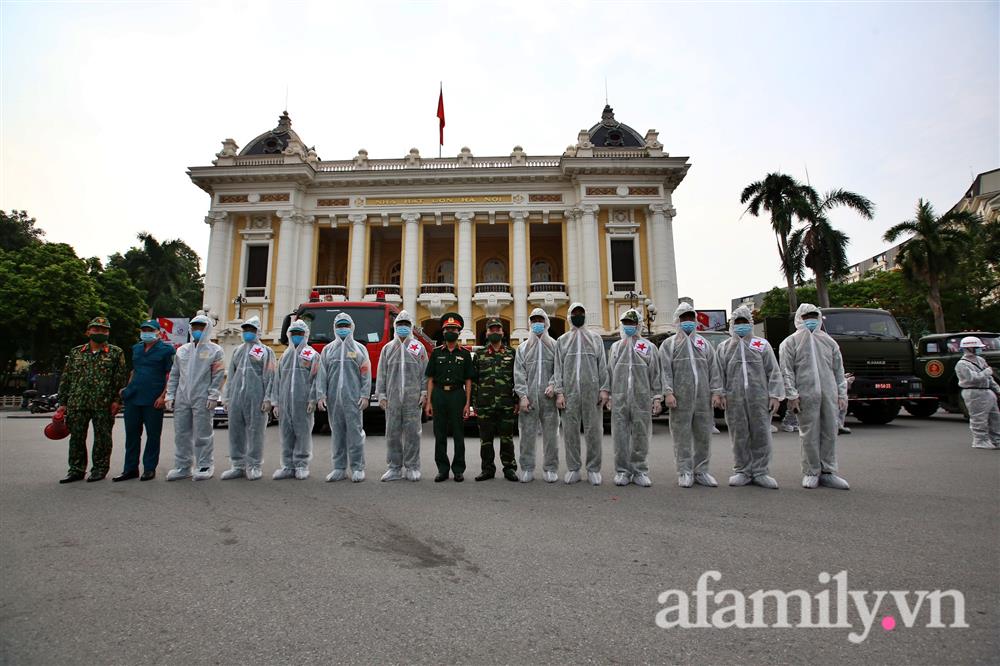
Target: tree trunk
(822, 292)
(793, 299)
(934, 300)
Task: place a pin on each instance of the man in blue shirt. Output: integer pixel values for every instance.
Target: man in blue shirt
(144, 398)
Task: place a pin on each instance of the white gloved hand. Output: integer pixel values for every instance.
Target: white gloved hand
(671, 401)
(657, 406)
(277, 411)
(169, 405)
(363, 404)
(719, 402)
(549, 391)
(310, 407)
(793, 405)
(383, 403)
(321, 404)
(604, 400)
(841, 404)
(423, 399)
(773, 405)
(265, 406)
(212, 404)
(525, 404)
(560, 401)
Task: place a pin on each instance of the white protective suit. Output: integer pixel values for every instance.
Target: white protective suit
(814, 374)
(747, 375)
(688, 374)
(580, 376)
(534, 368)
(345, 383)
(979, 391)
(247, 399)
(294, 398)
(634, 377)
(401, 383)
(194, 390)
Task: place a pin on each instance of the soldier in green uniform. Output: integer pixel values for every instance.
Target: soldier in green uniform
(495, 401)
(449, 383)
(89, 393)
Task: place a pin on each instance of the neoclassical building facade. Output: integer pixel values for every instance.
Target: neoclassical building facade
(485, 236)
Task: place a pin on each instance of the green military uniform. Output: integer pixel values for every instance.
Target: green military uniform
(90, 384)
(449, 369)
(494, 399)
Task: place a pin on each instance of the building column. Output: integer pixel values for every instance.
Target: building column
(591, 279)
(356, 269)
(519, 272)
(570, 218)
(306, 276)
(216, 267)
(286, 274)
(664, 268)
(463, 272)
(410, 282)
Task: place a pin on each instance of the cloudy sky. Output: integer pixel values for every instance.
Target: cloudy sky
(105, 105)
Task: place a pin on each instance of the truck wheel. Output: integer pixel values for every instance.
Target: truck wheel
(876, 414)
(922, 408)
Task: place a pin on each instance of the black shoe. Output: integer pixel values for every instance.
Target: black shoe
(485, 476)
(510, 475)
(94, 476)
(148, 474)
(459, 478)
(71, 477)
(443, 476)
(125, 476)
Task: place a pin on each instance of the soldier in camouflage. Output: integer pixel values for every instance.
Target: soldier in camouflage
(495, 402)
(88, 393)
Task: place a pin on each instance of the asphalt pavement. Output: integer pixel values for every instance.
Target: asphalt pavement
(232, 572)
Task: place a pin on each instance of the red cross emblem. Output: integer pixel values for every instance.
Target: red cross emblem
(257, 352)
(757, 344)
(642, 347)
(699, 343)
(307, 353)
(414, 348)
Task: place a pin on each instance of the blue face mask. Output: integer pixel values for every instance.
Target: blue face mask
(196, 335)
(297, 339)
(743, 330)
(537, 328)
(629, 329)
(249, 336)
(343, 332)
(147, 336)
(811, 324)
(688, 326)
(403, 331)
(978, 351)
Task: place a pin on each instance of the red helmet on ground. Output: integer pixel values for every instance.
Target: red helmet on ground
(56, 429)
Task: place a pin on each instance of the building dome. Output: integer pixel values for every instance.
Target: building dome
(609, 133)
(274, 141)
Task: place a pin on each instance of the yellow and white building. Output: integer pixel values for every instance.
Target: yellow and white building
(486, 236)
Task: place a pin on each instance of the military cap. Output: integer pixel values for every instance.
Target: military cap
(452, 319)
(630, 315)
(100, 321)
(150, 323)
(494, 321)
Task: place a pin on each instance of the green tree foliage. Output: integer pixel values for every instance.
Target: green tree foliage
(17, 230)
(124, 305)
(168, 274)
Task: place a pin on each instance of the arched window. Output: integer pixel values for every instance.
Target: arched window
(494, 270)
(394, 273)
(445, 272)
(541, 271)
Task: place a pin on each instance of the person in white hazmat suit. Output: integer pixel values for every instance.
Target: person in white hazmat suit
(193, 392)
(247, 399)
(401, 388)
(687, 378)
(534, 367)
(294, 399)
(344, 387)
(749, 387)
(634, 377)
(816, 390)
(980, 393)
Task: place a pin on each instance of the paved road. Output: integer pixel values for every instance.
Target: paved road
(279, 572)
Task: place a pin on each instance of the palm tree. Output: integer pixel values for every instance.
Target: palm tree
(168, 273)
(780, 195)
(818, 245)
(934, 247)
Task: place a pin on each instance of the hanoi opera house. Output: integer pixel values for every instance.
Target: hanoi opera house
(483, 236)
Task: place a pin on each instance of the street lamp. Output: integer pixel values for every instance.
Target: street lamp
(650, 314)
(238, 302)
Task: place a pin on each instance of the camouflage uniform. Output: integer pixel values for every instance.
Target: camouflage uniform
(90, 383)
(494, 400)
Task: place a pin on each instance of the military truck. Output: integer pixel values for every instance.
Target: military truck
(875, 350)
(936, 358)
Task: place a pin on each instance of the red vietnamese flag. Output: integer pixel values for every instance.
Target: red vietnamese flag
(440, 115)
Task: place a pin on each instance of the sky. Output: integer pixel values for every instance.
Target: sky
(104, 106)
